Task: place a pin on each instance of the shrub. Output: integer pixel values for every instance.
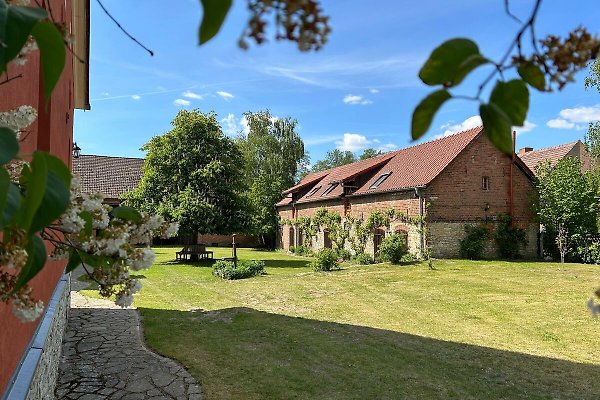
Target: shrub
(292, 249)
(473, 244)
(302, 250)
(362, 259)
(508, 238)
(393, 248)
(408, 257)
(325, 260)
(245, 269)
(589, 251)
(344, 254)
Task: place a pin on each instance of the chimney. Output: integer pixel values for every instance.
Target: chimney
(525, 150)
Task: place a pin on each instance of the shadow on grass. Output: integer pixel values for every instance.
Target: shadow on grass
(268, 263)
(245, 353)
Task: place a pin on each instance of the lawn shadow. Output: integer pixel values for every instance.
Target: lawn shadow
(245, 353)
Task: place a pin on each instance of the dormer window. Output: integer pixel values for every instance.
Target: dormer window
(330, 188)
(380, 180)
(313, 191)
(485, 183)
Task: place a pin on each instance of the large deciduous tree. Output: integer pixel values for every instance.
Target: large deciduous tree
(567, 204)
(192, 174)
(274, 155)
(334, 158)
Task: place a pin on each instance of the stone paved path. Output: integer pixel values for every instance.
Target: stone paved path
(104, 357)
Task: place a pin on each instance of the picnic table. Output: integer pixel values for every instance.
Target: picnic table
(195, 252)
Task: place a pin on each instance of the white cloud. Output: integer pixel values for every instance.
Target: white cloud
(225, 95)
(581, 114)
(560, 123)
(105, 94)
(374, 91)
(387, 147)
(353, 142)
(191, 95)
(355, 99)
(182, 103)
(136, 97)
(451, 128)
(233, 126)
(474, 121)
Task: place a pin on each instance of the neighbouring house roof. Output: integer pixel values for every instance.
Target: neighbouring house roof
(533, 158)
(412, 167)
(111, 176)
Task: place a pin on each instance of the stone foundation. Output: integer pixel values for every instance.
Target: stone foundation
(444, 239)
(37, 374)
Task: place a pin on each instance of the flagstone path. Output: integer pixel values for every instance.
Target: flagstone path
(104, 357)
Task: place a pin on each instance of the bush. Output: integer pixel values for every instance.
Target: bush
(473, 243)
(344, 254)
(302, 251)
(393, 248)
(408, 257)
(589, 252)
(245, 269)
(362, 259)
(509, 239)
(325, 260)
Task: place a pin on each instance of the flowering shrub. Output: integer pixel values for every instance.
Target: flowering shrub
(244, 269)
(325, 260)
(344, 254)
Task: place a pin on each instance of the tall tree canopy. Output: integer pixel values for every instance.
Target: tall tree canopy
(192, 175)
(273, 155)
(334, 158)
(567, 200)
(369, 153)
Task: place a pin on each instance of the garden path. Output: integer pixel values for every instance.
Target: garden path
(104, 356)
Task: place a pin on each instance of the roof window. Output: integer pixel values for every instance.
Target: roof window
(313, 191)
(330, 188)
(380, 180)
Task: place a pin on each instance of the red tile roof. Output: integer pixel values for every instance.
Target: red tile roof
(533, 158)
(111, 176)
(410, 167)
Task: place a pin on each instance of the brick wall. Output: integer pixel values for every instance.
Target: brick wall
(455, 198)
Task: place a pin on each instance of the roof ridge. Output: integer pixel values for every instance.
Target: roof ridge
(552, 147)
(117, 157)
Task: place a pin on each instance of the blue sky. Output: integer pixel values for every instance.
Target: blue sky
(359, 91)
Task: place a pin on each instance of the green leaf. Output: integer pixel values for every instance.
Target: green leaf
(36, 258)
(52, 53)
(512, 97)
(497, 126)
(533, 75)
(11, 206)
(4, 185)
(127, 213)
(35, 189)
(3, 20)
(214, 14)
(449, 63)
(74, 261)
(89, 219)
(472, 62)
(425, 111)
(19, 24)
(57, 195)
(9, 146)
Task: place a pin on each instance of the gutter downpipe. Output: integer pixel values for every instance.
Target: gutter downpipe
(510, 188)
(419, 194)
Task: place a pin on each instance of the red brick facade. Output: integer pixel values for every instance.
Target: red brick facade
(474, 187)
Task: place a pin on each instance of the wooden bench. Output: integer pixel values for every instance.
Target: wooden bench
(195, 252)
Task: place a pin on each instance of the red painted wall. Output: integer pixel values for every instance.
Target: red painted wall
(53, 131)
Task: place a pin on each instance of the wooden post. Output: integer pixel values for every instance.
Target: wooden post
(234, 250)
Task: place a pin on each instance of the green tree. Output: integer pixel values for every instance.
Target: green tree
(273, 155)
(334, 158)
(567, 202)
(593, 79)
(192, 175)
(369, 153)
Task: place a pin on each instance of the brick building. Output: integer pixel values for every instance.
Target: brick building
(452, 181)
(532, 158)
(29, 352)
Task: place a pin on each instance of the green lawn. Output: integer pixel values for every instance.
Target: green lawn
(477, 330)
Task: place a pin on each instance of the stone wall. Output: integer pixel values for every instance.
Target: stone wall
(36, 376)
(444, 239)
(226, 240)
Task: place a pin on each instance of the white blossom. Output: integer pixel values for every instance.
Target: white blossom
(19, 118)
(27, 313)
(594, 307)
(123, 300)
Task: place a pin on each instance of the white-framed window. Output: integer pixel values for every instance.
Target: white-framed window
(380, 180)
